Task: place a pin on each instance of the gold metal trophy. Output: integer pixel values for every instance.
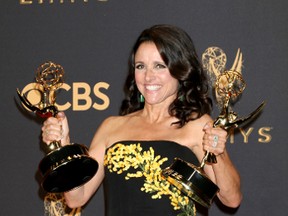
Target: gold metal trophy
(64, 167)
(228, 85)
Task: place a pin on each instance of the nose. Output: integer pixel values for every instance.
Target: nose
(149, 74)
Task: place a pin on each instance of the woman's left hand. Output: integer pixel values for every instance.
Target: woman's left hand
(214, 139)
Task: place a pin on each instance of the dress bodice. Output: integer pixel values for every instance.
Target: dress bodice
(133, 196)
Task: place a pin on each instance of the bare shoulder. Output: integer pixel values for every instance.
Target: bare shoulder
(200, 122)
(111, 130)
(111, 123)
(204, 119)
(111, 119)
(193, 134)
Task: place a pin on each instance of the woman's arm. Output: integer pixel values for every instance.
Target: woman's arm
(223, 173)
(58, 129)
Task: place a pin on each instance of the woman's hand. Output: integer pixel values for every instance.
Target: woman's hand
(214, 139)
(56, 129)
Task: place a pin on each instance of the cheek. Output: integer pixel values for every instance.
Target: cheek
(174, 89)
(174, 84)
(139, 79)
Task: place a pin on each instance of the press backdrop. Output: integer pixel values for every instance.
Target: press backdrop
(91, 39)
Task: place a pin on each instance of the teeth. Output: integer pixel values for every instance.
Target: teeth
(153, 87)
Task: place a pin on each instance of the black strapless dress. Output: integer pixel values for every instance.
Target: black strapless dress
(125, 198)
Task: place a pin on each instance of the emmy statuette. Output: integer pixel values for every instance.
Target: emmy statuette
(191, 180)
(64, 167)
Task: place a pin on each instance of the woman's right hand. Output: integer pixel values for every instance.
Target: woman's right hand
(56, 129)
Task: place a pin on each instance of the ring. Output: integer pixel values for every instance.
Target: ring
(215, 141)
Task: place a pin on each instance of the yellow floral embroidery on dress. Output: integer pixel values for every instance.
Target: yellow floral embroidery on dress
(120, 158)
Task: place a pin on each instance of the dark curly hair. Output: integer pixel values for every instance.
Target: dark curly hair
(178, 52)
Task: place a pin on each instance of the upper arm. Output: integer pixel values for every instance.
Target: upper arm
(96, 151)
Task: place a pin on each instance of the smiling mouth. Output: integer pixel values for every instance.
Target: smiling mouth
(152, 87)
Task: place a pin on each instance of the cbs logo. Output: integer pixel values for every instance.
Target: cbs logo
(84, 97)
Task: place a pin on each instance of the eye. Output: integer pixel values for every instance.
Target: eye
(160, 66)
(139, 66)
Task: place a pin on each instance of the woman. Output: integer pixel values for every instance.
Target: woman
(165, 114)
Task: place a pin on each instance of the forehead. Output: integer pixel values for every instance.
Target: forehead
(147, 51)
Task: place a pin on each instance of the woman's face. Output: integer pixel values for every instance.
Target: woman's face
(152, 76)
